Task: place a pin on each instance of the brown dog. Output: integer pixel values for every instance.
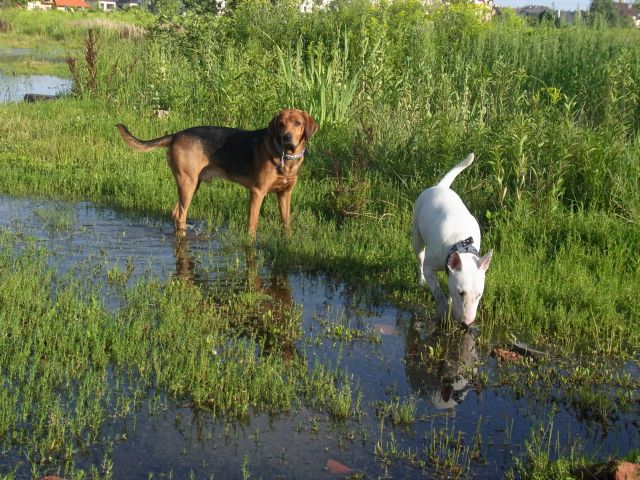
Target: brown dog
(266, 160)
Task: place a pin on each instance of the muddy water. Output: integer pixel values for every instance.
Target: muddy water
(453, 409)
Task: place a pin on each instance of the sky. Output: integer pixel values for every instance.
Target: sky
(556, 4)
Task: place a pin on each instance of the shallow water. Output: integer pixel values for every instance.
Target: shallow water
(14, 87)
(164, 437)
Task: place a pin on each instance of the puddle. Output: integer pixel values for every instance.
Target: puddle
(14, 87)
(481, 425)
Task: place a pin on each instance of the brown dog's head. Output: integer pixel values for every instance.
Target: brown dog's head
(290, 128)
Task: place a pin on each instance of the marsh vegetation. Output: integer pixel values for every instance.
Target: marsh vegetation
(401, 93)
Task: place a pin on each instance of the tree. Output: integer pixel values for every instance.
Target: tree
(604, 10)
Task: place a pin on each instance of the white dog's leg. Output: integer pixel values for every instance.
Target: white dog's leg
(440, 298)
(419, 250)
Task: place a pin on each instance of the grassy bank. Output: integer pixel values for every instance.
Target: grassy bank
(39, 42)
(555, 185)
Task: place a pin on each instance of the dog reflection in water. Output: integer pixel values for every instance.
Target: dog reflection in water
(440, 367)
(278, 298)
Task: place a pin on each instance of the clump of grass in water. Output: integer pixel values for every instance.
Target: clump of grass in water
(64, 357)
(398, 411)
(540, 448)
(119, 275)
(331, 391)
(55, 219)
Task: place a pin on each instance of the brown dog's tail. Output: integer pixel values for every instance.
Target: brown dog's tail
(143, 145)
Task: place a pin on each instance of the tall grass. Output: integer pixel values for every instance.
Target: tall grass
(325, 88)
(549, 109)
(45, 39)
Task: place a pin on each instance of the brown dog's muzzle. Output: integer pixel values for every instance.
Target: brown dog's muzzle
(288, 142)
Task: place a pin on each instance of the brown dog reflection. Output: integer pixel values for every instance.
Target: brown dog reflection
(277, 309)
(440, 366)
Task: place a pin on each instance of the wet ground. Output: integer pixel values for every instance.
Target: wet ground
(470, 422)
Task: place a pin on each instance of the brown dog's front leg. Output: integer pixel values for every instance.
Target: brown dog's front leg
(284, 202)
(255, 202)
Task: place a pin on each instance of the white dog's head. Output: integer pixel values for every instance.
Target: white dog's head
(466, 284)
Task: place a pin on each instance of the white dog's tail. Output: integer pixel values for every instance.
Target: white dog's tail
(448, 179)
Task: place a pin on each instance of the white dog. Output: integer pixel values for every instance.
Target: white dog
(442, 223)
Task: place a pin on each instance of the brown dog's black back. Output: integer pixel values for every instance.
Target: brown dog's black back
(231, 149)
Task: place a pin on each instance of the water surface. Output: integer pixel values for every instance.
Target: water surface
(14, 87)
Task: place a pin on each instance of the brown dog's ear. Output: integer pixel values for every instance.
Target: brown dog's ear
(273, 126)
(310, 127)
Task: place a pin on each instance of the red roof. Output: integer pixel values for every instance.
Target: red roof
(71, 3)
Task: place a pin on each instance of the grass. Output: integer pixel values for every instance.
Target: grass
(555, 185)
(39, 42)
(403, 94)
(555, 190)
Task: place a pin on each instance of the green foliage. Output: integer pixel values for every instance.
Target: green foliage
(166, 7)
(321, 83)
(401, 93)
(604, 11)
(70, 366)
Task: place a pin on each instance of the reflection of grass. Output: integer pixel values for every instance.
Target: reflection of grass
(63, 358)
(34, 64)
(598, 391)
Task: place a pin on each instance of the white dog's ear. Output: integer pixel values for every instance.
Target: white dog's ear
(455, 262)
(485, 261)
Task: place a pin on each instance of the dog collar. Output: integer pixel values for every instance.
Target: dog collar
(463, 246)
(286, 156)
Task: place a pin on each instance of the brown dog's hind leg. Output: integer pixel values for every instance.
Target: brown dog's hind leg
(187, 188)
